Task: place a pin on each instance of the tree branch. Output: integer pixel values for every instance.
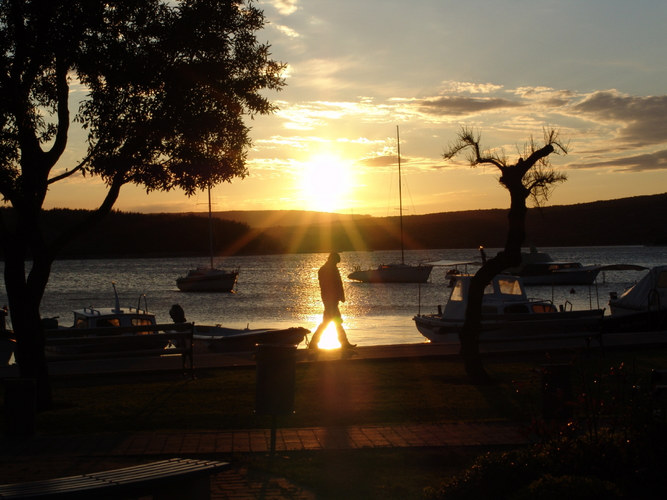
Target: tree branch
(105, 207)
(63, 115)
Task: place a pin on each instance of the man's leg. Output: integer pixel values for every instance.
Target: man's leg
(315, 339)
(342, 336)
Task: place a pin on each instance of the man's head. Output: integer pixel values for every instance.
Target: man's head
(334, 257)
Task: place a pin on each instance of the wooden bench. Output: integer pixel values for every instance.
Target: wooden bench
(177, 478)
(122, 342)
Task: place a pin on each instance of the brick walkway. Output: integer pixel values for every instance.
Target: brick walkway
(66, 455)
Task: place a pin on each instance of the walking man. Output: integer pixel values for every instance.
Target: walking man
(331, 289)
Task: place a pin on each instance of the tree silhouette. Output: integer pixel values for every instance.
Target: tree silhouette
(530, 177)
(166, 89)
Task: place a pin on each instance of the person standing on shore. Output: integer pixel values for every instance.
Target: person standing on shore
(332, 292)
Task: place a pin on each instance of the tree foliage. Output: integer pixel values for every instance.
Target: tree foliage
(167, 89)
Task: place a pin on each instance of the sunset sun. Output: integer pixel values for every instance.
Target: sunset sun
(326, 183)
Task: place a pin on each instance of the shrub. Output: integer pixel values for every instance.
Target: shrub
(549, 487)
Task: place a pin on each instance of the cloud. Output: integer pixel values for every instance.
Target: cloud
(458, 105)
(450, 86)
(637, 163)
(287, 31)
(381, 161)
(285, 7)
(640, 120)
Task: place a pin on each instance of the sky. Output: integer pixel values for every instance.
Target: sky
(359, 71)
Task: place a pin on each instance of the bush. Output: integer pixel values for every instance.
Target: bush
(607, 467)
(549, 487)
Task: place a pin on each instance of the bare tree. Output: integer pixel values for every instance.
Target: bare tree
(531, 176)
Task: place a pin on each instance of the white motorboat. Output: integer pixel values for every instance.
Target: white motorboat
(400, 272)
(506, 313)
(642, 307)
(107, 322)
(649, 293)
(538, 268)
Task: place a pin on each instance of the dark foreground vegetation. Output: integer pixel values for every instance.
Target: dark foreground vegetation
(628, 221)
(601, 434)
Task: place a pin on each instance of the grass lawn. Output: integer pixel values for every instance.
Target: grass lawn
(350, 392)
(327, 393)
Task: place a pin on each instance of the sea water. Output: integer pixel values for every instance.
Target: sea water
(282, 290)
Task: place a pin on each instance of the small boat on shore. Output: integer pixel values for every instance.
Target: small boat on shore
(221, 339)
(506, 313)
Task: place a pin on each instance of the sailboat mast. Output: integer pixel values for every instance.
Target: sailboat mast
(210, 227)
(400, 193)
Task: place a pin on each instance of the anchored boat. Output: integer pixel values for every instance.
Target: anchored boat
(506, 313)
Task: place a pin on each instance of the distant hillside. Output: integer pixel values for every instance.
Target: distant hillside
(628, 221)
(270, 218)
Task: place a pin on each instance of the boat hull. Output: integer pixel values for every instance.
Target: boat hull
(221, 339)
(640, 321)
(437, 329)
(584, 276)
(393, 274)
(105, 342)
(208, 282)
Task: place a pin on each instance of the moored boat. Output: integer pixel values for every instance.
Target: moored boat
(642, 307)
(397, 272)
(538, 268)
(506, 313)
(393, 273)
(207, 279)
(115, 324)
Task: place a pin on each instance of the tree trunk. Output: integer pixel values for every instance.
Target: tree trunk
(24, 296)
(509, 257)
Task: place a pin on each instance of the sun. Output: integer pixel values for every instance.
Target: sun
(326, 183)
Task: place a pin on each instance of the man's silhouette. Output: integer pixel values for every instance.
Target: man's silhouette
(331, 289)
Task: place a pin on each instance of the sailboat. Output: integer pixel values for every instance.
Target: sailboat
(208, 279)
(398, 272)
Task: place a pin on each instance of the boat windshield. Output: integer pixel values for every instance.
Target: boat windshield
(107, 322)
(457, 292)
(509, 286)
(141, 321)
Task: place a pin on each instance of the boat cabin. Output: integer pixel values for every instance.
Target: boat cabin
(649, 294)
(504, 295)
(105, 317)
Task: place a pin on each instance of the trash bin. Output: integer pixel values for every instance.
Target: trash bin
(19, 407)
(556, 392)
(275, 379)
